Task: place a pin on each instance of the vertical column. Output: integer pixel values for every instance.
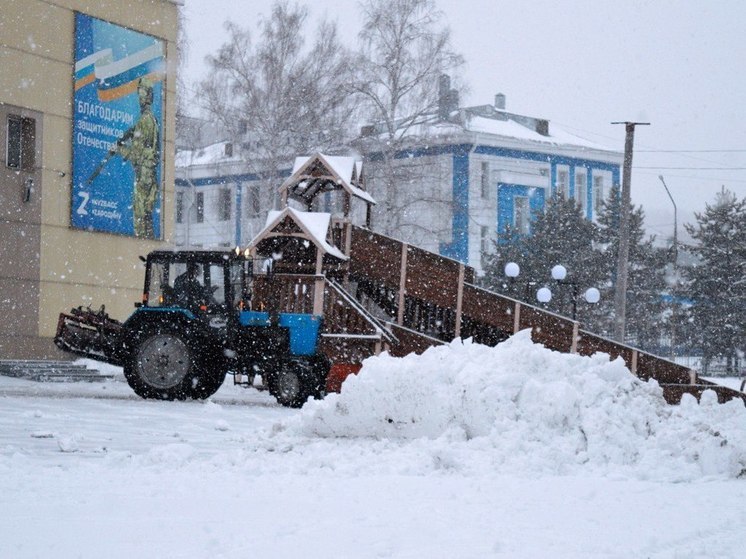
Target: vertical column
(402, 284)
(459, 301)
(319, 282)
(574, 344)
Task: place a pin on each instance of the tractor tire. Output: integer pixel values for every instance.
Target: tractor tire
(292, 385)
(207, 383)
(165, 365)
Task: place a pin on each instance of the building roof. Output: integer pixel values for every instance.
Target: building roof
(315, 225)
(450, 120)
(313, 174)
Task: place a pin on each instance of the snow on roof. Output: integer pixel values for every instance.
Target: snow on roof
(513, 129)
(315, 224)
(506, 128)
(341, 166)
(214, 153)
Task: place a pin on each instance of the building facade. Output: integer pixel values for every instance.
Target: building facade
(462, 180)
(87, 107)
(472, 176)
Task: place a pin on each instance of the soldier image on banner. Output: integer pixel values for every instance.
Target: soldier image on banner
(140, 146)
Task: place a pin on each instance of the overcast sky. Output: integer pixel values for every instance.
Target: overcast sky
(583, 64)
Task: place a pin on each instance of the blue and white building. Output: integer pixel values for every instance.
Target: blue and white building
(479, 170)
(465, 176)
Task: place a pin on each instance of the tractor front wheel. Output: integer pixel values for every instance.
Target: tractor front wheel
(293, 384)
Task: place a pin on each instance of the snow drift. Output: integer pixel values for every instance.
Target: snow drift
(521, 408)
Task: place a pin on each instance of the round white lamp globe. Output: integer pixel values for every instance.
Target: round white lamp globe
(544, 295)
(559, 272)
(512, 270)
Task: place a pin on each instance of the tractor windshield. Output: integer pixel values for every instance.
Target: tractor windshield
(187, 284)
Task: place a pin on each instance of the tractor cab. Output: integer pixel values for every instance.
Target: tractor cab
(209, 285)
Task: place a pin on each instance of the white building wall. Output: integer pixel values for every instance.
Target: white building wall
(423, 195)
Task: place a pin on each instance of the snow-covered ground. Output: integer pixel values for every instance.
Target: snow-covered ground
(465, 451)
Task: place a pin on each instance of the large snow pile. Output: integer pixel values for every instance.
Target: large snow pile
(521, 408)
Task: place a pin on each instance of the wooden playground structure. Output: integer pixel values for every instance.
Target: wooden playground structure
(379, 294)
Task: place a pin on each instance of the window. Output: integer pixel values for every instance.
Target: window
(215, 282)
(254, 201)
(179, 207)
(581, 189)
(20, 147)
(485, 180)
(520, 214)
(224, 204)
(598, 193)
(485, 238)
(562, 179)
(199, 203)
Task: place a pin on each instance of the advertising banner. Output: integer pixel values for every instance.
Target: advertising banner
(117, 129)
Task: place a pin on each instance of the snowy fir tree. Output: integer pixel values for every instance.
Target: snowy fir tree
(716, 283)
(559, 235)
(646, 279)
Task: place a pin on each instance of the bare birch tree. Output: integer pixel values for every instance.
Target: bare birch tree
(275, 97)
(404, 50)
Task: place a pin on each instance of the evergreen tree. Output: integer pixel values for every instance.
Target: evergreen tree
(560, 235)
(716, 285)
(646, 279)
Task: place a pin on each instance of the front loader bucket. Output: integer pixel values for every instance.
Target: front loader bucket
(90, 334)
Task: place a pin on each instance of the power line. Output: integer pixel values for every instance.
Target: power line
(697, 168)
(691, 150)
(697, 179)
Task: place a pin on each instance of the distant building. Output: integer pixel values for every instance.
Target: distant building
(465, 175)
(468, 174)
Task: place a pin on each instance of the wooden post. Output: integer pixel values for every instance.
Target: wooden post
(319, 282)
(402, 284)
(347, 204)
(459, 301)
(348, 237)
(633, 367)
(516, 317)
(574, 344)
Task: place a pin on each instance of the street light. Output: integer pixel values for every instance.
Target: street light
(675, 222)
(559, 273)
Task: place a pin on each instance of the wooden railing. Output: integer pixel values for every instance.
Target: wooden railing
(287, 293)
(435, 297)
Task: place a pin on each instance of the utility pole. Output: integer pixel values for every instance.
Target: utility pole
(620, 293)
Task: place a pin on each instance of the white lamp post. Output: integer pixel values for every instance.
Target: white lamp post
(559, 273)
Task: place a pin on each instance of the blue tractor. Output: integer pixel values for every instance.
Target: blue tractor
(196, 324)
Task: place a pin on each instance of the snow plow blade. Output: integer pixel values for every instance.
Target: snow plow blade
(91, 334)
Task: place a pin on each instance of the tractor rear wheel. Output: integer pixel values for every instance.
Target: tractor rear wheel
(165, 365)
(208, 382)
